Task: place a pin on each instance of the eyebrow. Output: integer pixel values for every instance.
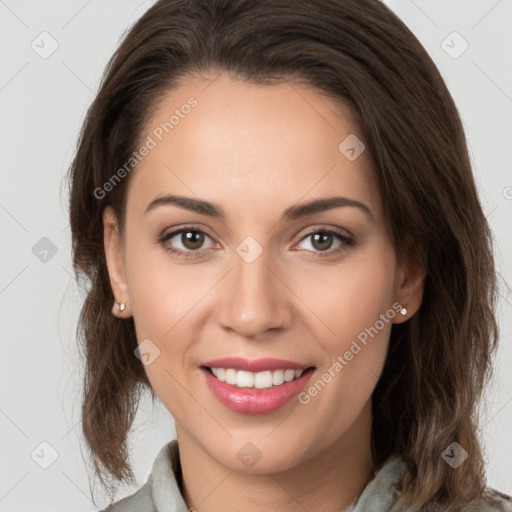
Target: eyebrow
(291, 213)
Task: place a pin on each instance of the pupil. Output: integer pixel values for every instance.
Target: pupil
(323, 237)
(192, 239)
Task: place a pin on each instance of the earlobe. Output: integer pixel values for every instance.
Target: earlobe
(115, 263)
(409, 292)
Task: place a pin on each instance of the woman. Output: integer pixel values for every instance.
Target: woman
(274, 211)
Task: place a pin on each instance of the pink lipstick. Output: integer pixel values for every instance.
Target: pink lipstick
(255, 386)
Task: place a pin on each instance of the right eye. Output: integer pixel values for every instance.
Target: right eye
(191, 239)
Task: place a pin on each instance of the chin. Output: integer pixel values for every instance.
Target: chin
(257, 454)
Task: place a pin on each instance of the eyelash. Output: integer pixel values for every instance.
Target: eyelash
(347, 242)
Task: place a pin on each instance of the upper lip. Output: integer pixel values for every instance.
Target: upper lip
(254, 365)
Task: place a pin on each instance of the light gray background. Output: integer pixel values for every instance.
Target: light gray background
(42, 105)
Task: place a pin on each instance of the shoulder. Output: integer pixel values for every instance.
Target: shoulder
(497, 501)
(140, 501)
(391, 473)
(161, 490)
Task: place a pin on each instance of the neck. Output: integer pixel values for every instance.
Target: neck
(330, 481)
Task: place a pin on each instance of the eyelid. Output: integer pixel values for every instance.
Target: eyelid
(327, 229)
(347, 240)
(172, 232)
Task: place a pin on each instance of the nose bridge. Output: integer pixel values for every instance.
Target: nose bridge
(255, 299)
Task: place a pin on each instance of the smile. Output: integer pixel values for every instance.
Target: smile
(260, 380)
(255, 386)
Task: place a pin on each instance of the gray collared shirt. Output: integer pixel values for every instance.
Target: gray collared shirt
(161, 492)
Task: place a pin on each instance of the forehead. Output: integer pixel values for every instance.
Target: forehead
(250, 147)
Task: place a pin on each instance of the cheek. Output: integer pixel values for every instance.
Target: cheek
(166, 305)
(162, 293)
(355, 303)
(163, 297)
(350, 298)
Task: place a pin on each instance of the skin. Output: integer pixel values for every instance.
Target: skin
(255, 151)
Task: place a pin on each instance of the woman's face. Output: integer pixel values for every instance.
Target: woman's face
(263, 277)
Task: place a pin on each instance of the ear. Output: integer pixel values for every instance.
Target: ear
(409, 285)
(115, 262)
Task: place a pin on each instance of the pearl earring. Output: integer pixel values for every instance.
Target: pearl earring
(122, 305)
(403, 311)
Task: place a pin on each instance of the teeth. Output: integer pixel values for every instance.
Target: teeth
(259, 380)
(289, 375)
(244, 379)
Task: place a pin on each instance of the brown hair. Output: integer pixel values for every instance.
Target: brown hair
(361, 53)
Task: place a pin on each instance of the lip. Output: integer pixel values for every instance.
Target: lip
(255, 401)
(254, 365)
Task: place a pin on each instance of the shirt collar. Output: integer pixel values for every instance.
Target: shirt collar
(164, 482)
(378, 495)
(383, 490)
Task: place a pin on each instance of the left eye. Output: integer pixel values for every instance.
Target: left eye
(322, 240)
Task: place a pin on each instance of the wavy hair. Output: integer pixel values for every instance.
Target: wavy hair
(360, 53)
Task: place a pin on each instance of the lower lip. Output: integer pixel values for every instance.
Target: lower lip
(252, 400)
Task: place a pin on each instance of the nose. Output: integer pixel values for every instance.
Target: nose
(256, 299)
